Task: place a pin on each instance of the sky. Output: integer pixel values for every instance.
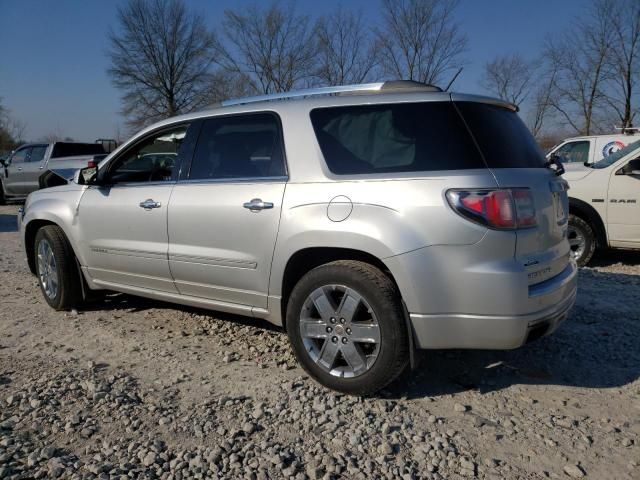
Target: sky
(53, 53)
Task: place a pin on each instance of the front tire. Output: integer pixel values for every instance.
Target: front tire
(346, 325)
(582, 240)
(56, 269)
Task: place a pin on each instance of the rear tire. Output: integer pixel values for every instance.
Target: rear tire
(582, 240)
(56, 269)
(346, 325)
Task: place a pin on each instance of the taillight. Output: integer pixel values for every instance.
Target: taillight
(503, 209)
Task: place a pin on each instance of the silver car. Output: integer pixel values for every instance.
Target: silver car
(368, 221)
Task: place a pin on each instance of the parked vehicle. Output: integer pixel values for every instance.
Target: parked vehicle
(604, 204)
(27, 163)
(368, 222)
(589, 149)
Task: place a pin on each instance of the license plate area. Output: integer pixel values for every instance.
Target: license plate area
(560, 201)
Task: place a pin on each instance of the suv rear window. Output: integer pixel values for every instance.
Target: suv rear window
(61, 149)
(399, 137)
(504, 140)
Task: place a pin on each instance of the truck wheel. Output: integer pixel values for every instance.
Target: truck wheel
(582, 240)
(56, 269)
(346, 324)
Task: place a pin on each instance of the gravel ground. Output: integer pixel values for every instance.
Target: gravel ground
(130, 388)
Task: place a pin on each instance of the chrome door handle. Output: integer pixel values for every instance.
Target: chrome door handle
(19, 169)
(256, 204)
(148, 204)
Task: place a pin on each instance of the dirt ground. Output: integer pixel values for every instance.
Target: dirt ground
(132, 388)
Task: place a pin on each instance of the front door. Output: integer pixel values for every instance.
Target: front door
(123, 222)
(623, 208)
(224, 215)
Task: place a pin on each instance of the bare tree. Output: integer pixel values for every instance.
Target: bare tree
(420, 39)
(541, 104)
(624, 17)
(580, 59)
(510, 77)
(347, 54)
(272, 48)
(160, 58)
(12, 129)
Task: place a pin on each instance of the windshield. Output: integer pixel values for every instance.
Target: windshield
(615, 156)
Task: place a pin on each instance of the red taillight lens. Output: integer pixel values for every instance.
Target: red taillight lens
(91, 164)
(504, 209)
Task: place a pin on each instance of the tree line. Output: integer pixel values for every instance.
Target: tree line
(585, 79)
(166, 59)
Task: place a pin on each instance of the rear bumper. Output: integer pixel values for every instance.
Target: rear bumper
(500, 332)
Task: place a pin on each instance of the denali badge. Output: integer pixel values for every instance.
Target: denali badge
(539, 273)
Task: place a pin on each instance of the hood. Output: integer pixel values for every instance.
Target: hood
(576, 171)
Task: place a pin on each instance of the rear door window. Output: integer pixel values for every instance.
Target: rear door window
(37, 153)
(239, 147)
(400, 137)
(504, 140)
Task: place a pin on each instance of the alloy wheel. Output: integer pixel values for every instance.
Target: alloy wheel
(340, 331)
(47, 269)
(577, 242)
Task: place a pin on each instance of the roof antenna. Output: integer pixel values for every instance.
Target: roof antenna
(453, 79)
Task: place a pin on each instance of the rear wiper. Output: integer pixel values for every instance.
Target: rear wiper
(555, 164)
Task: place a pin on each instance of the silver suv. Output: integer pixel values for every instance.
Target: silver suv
(367, 221)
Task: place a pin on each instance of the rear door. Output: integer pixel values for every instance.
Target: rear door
(33, 168)
(515, 160)
(13, 183)
(224, 213)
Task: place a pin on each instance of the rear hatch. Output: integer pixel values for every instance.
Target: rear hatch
(515, 160)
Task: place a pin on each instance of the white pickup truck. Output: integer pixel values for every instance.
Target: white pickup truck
(591, 148)
(604, 203)
(20, 172)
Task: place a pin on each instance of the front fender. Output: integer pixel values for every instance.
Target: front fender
(53, 206)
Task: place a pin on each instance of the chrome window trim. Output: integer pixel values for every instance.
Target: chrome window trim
(277, 179)
(135, 184)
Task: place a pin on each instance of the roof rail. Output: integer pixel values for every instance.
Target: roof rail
(390, 86)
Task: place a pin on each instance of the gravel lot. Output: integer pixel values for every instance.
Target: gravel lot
(130, 388)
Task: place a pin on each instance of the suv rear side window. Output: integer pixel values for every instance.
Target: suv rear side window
(503, 139)
(239, 146)
(400, 137)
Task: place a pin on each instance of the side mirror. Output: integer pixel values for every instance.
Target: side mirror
(86, 175)
(631, 168)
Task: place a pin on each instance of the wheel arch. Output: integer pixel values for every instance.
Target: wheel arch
(30, 232)
(589, 214)
(306, 259)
